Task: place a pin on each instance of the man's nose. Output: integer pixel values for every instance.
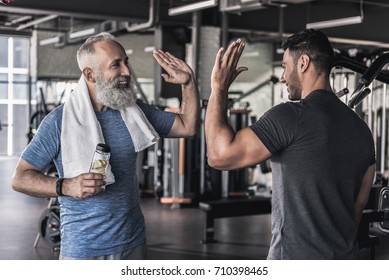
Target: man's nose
(125, 70)
(282, 78)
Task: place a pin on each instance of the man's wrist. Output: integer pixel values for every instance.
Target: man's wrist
(190, 83)
(59, 186)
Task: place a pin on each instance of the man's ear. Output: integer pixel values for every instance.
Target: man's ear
(304, 61)
(89, 75)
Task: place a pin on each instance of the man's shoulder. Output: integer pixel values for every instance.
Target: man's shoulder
(54, 116)
(56, 112)
(285, 109)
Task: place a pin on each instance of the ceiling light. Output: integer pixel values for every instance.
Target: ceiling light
(18, 20)
(149, 49)
(82, 33)
(49, 41)
(250, 54)
(242, 5)
(192, 7)
(37, 21)
(335, 22)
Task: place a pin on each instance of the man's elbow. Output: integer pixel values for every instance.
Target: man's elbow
(15, 184)
(218, 162)
(192, 131)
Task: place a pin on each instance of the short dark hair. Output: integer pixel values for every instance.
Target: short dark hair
(313, 43)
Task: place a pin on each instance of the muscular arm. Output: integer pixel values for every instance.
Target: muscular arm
(187, 120)
(226, 149)
(29, 180)
(364, 191)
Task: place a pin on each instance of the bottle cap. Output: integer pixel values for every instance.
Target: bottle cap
(103, 148)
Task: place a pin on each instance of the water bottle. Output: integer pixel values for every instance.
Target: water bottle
(100, 159)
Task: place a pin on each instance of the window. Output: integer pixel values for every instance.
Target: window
(20, 86)
(3, 86)
(14, 89)
(21, 56)
(3, 51)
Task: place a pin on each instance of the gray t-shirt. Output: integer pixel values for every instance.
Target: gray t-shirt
(111, 222)
(320, 150)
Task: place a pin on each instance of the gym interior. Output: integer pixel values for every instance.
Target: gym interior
(192, 211)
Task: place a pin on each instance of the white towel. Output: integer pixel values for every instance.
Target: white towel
(81, 132)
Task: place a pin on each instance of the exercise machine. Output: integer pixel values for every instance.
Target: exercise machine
(49, 221)
(380, 215)
(377, 209)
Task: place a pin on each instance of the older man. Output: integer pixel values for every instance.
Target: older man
(100, 215)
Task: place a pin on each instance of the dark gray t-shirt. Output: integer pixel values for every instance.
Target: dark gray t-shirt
(320, 150)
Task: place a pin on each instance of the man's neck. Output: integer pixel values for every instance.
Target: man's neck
(318, 84)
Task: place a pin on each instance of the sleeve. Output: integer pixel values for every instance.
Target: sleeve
(162, 121)
(276, 127)
(44, 147)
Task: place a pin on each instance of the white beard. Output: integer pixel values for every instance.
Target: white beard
(111, 95)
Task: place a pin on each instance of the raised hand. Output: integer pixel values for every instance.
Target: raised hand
(224, 71)
(178, 72)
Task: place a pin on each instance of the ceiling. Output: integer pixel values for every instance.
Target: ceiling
(259, 20)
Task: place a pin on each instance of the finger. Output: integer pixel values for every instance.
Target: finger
(237, 54)
(163, 61)
(92, 176)
(219, 56)
(161, 57)
(89, 191)
(242, 45)
(233, 55)
(166, 56)
(238, 47)
(229, 50)
(171, 57)
(166, 77)
(90, 179)
(240, 70)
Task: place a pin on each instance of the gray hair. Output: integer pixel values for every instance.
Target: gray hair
(88, 47)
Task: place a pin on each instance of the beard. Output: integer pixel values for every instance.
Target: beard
(113, 94)
(294, 86)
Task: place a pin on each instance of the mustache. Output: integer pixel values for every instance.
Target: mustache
(121, 79)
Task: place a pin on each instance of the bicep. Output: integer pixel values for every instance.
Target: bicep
(178, 129)
(24, 166)
(244, 150)
(175, 127)
(162, 121)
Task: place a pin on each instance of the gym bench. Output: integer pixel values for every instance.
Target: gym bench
(231, 207)
(365, 239)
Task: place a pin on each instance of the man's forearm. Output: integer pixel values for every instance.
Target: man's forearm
(190, 108)
(32, 182)
(218, 132)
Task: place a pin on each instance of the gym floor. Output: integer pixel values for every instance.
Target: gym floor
(172, 233)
